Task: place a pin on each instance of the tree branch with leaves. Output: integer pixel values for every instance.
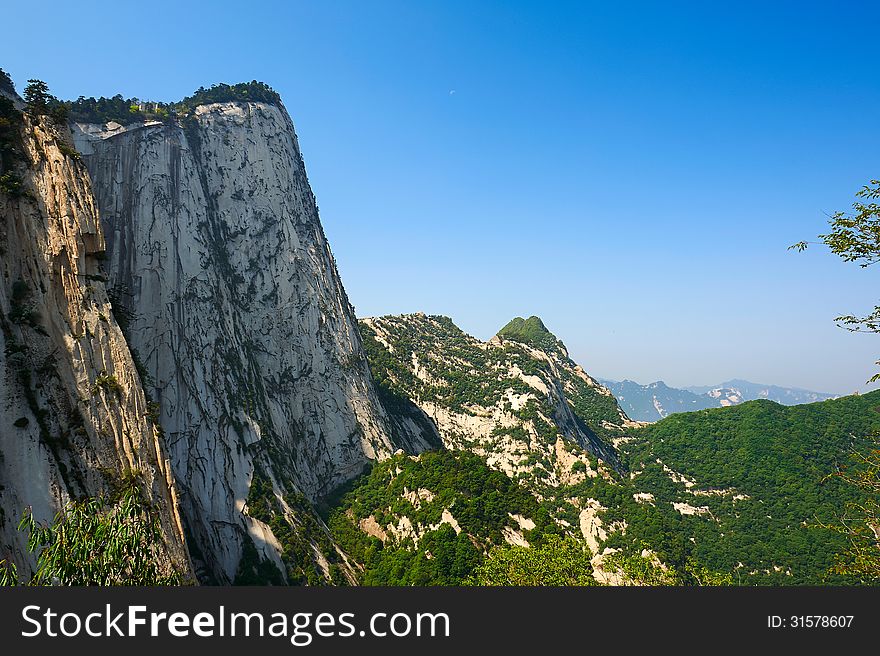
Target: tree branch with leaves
(855, 237)
(113, 540)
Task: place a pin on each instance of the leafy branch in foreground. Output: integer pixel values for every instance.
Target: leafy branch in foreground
(98, 541)
(861, 524)
(855, 237)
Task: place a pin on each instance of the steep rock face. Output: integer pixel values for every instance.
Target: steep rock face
(73, 415)
(529, 409)
(240, 318)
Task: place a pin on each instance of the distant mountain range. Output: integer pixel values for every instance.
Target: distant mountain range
(657, 400)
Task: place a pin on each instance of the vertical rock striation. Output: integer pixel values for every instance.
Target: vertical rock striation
(73, 415)
(239, 316)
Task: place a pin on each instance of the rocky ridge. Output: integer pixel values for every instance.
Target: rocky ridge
(529, 409)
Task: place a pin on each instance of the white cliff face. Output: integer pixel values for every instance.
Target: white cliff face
(241, 320)
(73, 416)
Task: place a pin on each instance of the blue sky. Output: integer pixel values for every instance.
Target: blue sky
(631, 172)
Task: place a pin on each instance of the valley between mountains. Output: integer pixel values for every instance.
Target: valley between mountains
(175, 328)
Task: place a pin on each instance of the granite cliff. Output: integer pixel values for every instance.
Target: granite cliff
(239, 319)
(171, 307)
(74, 419)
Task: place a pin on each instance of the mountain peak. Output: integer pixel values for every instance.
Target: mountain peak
(531, 331)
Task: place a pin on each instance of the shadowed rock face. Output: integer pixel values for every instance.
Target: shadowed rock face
(241, 321)
(73, 415)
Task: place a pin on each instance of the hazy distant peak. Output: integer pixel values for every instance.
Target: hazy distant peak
(657, 400)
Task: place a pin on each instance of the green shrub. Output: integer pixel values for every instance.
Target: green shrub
(558, 561)
(100, 541)
(108, 383)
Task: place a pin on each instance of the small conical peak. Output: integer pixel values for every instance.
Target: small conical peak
(531, 331)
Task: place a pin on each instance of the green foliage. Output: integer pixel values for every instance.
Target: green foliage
(463, 377)
(759, 513)
(12, 152)
(42, 103)
(99, 541)
(37, 97)
(132, 110)
(8, 574)
(300, 534)
(779, 458)
(123, 313)
(6, 85)
(59, 112)
(639, 569)
(558, 561)
(11, 148)
(116, 109)
(643, 569)
(855, 237)
(696, 574)
(861, 523)
(252, 91)
(596, 408)
(108, 383)
(11, 185)
(442, 558)
(253, 569)
(479, 498)
(66, 149)
(385, 371)
(531, 331)
(22, 310)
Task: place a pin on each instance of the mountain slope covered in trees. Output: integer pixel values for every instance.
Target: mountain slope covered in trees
(728, 495)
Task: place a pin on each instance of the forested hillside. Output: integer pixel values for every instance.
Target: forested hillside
(766, 479)
(430, 519)
(737, 495)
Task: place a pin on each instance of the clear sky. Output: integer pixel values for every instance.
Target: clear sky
(632, 172)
